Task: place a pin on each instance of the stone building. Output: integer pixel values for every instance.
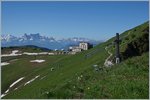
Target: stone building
(74, 49)
(82, 46)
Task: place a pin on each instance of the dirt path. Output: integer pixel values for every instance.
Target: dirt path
(108, 62)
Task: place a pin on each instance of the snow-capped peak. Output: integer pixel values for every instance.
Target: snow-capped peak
(41, 41)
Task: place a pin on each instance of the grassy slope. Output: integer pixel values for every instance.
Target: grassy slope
(133, 34)
(27, 48)
(69, 67)
(23, 67)
(126, 80)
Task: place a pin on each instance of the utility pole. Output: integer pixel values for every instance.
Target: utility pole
(117, 41)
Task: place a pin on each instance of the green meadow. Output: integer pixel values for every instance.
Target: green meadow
(73, 76)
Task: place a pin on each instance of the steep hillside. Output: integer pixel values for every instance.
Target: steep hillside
(137, 42)
(75, 76)
(134, 42)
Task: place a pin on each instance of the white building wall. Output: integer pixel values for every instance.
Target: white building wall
(83, 45)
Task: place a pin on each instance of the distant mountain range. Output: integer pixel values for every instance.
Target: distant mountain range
(43, 41)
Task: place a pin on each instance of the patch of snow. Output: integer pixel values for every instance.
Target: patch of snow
(16, 82)
(38, 61)
(43, 53)
(3, 95)
(51, 53)
(4, 63)
(31, 80)
(7, 91)
(27, 53)
(15, 51)
(12, 54)
(6, 55)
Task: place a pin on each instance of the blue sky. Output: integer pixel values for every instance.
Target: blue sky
(95, 20)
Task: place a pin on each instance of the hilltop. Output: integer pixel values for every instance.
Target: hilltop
(75, 76)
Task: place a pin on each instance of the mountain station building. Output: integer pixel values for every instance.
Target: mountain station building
(82, 46)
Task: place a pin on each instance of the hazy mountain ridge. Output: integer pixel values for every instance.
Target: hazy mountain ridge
(42, 41)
